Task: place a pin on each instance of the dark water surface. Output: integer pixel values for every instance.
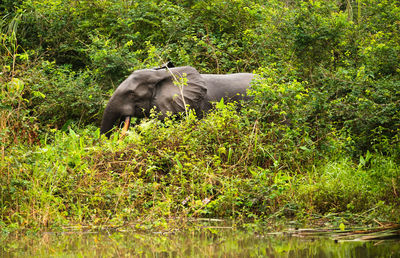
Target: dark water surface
(205, 243)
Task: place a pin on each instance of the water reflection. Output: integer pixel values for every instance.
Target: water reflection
(226, 243)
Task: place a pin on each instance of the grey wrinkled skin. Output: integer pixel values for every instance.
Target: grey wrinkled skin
(154, 88)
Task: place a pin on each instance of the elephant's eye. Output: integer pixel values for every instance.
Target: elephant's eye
(132, 93)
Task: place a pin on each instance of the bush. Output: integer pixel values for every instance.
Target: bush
(342, 186)
(65, 96)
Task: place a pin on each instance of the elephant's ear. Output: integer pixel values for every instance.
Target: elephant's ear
(168, 95)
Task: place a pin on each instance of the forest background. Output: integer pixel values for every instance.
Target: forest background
(319, 144)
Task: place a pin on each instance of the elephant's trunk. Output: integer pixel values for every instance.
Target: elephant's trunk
(110, 116)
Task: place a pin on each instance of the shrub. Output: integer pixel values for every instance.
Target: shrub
(65, 96)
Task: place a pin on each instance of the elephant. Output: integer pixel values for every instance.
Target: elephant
(156, 88)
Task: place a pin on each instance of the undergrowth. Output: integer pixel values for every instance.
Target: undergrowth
(163, 174)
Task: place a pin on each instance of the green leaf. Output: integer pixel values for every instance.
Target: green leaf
(38, 94)
(220, 104)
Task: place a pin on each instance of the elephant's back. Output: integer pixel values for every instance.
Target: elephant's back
(232, 86)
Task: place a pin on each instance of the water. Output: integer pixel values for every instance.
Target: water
(205, 243)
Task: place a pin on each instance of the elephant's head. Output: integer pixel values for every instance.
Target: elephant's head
(148, 88)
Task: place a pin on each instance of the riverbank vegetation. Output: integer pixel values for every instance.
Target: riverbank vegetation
(320, 142)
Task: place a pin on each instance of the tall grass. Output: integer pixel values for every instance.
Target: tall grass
(162, 175)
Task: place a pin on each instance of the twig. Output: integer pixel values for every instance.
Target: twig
(394, 187)
(245, 157)
(180, 86)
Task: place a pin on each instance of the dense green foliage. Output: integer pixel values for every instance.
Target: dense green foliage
(320, 139)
